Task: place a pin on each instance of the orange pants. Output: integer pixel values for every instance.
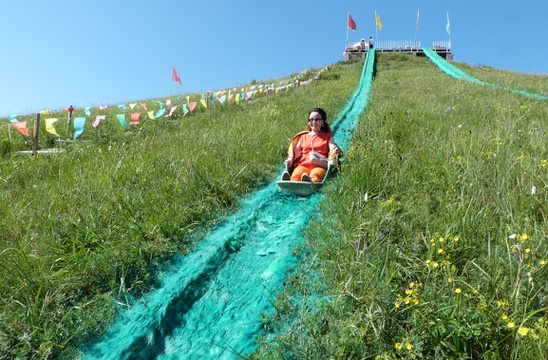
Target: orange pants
(316, 173)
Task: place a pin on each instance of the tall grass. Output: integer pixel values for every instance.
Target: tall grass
(85, 231)
(432, 241)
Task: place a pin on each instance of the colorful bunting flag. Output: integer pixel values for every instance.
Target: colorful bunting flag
(132, 105)
(122, 120)
(185, 109)
(143, 105)
(103, 107)
(13, 118)
(171, 110)
(21, 126)
(159, 113)
(122, 106)
(203, 102)
(150, 114)
(135, 118)
(50, 128)
(87, 111)
(98, 119)
(192, 106)
(79, 123)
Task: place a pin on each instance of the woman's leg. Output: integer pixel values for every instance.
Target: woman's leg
(298, 172)
(317, 174)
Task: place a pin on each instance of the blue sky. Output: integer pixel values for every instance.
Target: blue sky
(89, 53)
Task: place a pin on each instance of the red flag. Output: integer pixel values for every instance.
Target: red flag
(351, 23)
(175, 77)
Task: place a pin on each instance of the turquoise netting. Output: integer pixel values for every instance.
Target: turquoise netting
(211, 304)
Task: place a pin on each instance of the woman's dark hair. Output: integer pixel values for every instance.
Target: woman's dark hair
(325, 126)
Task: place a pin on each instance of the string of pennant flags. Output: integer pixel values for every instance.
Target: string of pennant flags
(132, 113)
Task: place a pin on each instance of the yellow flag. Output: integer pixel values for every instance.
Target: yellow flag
(50, 128)
(150, 115)
(203, 102)
(378, 21)
(45, 112)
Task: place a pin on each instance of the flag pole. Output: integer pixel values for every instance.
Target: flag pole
(376, 27)
(417, 26)
(347, 17)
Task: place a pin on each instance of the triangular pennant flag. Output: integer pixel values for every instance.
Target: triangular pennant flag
(21, 126)
(150, 114)
(159, 113)
(168, 103)
(45, 112)
(50, 128)
(143, 105)
(122, 120)
(122, 106)
(185, 109)
(192, 106)
(203, 102)
(103, 107)
(13, 118)
(237, 98)
(187, 99)
(132, 105)
(79, 123)
(98, 119)
(173, 108)
(135, 118)
(87, 111)
(175, 77)
(230, 97)
(221, 99)
(378, 21)
(161, 103)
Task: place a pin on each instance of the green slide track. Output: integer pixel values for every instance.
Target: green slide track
(211, 303)
(457, 73)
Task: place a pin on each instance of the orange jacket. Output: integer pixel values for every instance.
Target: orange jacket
(298, 155)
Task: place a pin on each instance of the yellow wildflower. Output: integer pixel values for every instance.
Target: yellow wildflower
(542, 262)
(458, 290)
(456, 238)
(504, 317)
(523, 330)
(511, 325)
(440, 251)
(408, 346)
(398, 346)
(527, 250)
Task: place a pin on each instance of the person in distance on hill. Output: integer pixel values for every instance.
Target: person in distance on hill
(371, 42)
(69, 111)
(311, 151)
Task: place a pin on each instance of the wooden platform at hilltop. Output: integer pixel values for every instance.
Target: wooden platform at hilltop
(442, 48)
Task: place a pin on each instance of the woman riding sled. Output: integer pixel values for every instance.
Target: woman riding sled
(311, 151)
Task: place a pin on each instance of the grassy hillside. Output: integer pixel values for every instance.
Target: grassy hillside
(431, 243)
(85, 231)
